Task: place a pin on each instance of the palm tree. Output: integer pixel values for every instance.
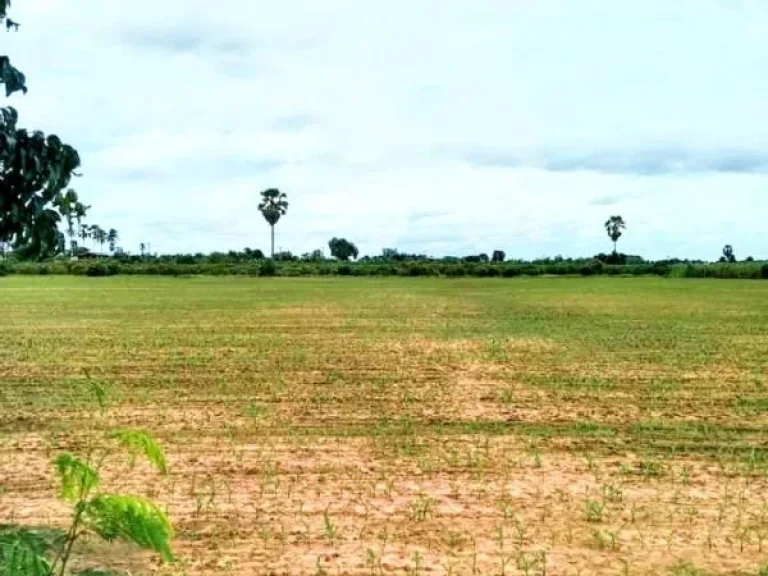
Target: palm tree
(84, 232)
(112, 238)
(273, 205)
(78, 211)
(614, 226)
(99, 236)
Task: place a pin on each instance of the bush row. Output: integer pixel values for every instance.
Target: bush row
(108, 267)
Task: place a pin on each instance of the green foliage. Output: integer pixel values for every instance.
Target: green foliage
(102, 269)
(686, 569)
(274, 204)
(17, 559)
(268, 268)
(342, 249)
(23, 550)
(98, 390)
(109, 516)
(130, 518)
(139, 443)
(36, 170)
(13, 79)
(77, 477)
(614, 226)
(169, 266)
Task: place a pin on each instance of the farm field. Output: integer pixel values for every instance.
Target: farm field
(558, 426)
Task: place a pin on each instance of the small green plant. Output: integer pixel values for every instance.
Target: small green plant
(507, 396)
(651, 468)
(612, 493)
(417, 560)
(331, 530)
(422, 508)
(686, 569)
(256, 411)
(594, 511)
(94, 513)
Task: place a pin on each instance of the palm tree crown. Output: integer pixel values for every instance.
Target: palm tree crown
(112, 238)
(273, 205)
(614, 226)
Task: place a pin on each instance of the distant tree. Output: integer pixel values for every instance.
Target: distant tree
(342, 249)
(253, 254)
(99, 236)
(142, 248)
(78, 212)
(112, 238)
(84, 232)
(728, 255)
(274, 204)
(614, 226)
(749, 259)
(35, 170)
(389, 254)
(483, 257)
(72, 211)
(284, 256)
(498, 256)
(314, 256)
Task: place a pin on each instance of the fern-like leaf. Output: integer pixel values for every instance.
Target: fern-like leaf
(77, 477)
(130, 518)
(19, 559)
(139, 443)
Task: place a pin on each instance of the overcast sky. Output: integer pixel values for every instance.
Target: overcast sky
(437, 126)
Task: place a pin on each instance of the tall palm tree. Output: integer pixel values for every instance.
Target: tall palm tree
(84, 232)
(99, 236)
(614, 226)
(273, 205)
(112, 238)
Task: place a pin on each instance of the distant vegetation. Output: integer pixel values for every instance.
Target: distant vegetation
(250, 262)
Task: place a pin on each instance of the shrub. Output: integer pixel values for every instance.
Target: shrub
(486, 271)
(591, 268)
(102, 269)
(268, 268)
(418, 269)
(764, 272)
(344, 270)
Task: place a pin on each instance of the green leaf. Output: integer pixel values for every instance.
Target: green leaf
(98, 390)
(130, 518)
(39, 540)
(22, 555)
(139, 443)
(77, 477)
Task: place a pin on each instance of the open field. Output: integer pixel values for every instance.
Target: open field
(408, 426)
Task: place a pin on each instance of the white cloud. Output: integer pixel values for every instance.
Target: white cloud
(184, 110)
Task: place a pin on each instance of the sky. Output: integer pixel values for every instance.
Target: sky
(430, 126)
